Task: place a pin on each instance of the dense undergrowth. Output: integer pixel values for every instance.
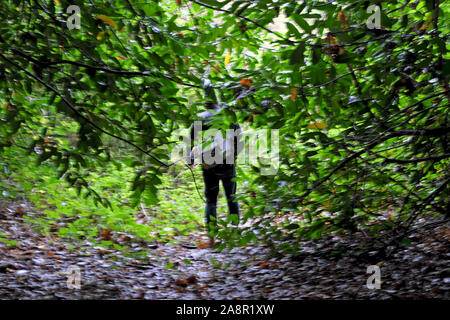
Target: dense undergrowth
(58, 208)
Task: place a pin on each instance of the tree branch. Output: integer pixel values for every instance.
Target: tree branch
(242, 17)
(401, 161)
(78, 113)
(105, 69)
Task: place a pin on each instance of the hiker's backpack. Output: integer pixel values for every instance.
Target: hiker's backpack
(217, 144)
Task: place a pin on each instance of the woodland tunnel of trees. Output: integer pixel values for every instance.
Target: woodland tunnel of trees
(93, 95)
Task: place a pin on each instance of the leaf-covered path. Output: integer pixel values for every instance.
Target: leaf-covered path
(36, 268)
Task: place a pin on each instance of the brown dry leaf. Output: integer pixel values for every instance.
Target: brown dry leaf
(246, 82)
(124, 238)
(202, 288)
(343, 19)
(108, 20)
(181, 282)
(203, 245)
(105, 234)
(274, 266)
(427, 23)
(20, 211)
(329, 38)
(180, 289)
(293, 93)
(317, 125)
(192, 279)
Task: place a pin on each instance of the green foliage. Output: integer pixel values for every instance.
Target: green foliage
(362, 113)
(69, 215)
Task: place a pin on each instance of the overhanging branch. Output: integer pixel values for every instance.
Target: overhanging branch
(147, 73)
(78, 113)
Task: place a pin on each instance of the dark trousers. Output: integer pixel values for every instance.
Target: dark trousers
(212, 176)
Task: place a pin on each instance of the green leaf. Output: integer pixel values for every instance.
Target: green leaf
(301, 23)
(293, 30)
(297, 55)
(446, 68)
(346, 57)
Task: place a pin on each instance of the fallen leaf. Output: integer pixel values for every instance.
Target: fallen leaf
(105, 234)
(192, 279)
(181, 282)
(203, 245)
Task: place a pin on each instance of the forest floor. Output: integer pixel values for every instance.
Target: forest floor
(36, 268)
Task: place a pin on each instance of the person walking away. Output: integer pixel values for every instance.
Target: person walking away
(213, 172)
